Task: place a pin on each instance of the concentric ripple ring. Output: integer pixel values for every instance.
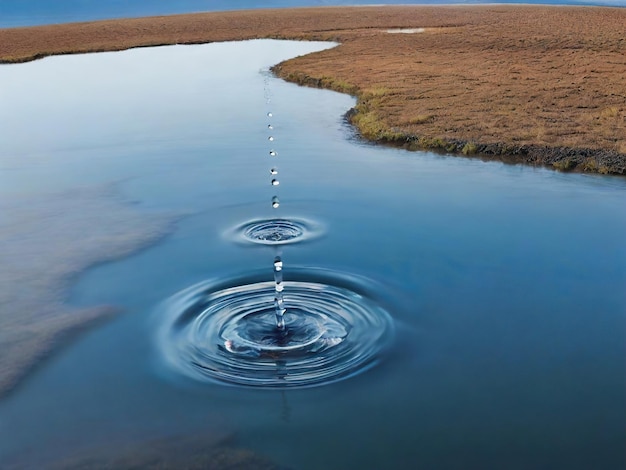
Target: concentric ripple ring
(278, 231)
(226, 333)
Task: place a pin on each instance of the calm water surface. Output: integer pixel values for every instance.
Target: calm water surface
(505, 283)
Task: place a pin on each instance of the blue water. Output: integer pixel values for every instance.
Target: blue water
(34, 12)
(505, 283)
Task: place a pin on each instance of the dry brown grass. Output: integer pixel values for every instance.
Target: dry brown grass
(533, 81)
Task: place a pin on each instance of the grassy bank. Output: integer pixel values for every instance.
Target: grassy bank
(531, 84)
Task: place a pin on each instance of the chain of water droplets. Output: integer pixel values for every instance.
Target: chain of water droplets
(279, 302)
(240, 331)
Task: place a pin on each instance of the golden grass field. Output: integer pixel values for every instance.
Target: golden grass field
(534, 84)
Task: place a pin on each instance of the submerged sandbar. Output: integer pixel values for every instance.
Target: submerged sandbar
(45, 241)
(532, 84)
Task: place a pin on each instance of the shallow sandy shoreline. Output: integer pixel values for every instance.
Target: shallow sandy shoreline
(41, 254)
(540, 85)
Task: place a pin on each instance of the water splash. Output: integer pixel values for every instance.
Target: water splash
(275, 231)
(225, 332)
(274, 334)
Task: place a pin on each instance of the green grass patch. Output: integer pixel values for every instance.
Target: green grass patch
(564, 165)
(469, 148)
(590, 165)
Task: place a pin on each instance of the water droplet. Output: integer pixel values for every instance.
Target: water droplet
(275, 182)
(270, 127)
(280, 319)
(279, 302)
(269, 114)
(270, 138)
(275, 202)
(273, 153)
(273, 171)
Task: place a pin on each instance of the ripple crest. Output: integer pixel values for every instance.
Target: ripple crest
(275, 231)
(227, 334)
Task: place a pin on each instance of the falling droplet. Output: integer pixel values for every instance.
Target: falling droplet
(269, 114)
(280, 319)
(273, 171)
(279, 303)
(270, 127)
(275, 182)
(270, 138)
(275, 202)
(273, 153)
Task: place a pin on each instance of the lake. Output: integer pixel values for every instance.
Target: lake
(504, 283)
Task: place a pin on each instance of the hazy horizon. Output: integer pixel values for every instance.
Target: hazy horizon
(14, 13)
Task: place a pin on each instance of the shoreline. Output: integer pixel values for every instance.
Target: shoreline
(565, 159)
(530, 84)
(36, 322)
